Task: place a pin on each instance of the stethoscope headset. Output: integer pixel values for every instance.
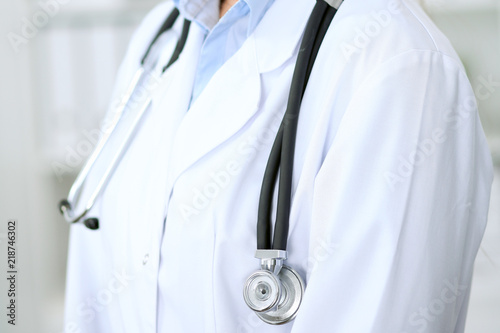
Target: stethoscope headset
(275, 291)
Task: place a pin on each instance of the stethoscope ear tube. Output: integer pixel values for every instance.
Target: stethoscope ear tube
(66, 206)
(180, 45)
(168, 24)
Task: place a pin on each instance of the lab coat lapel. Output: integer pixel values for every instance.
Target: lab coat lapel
(233, 95)
(224, 106)
(278, 35)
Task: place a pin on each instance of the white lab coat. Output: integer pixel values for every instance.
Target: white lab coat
(390, 191)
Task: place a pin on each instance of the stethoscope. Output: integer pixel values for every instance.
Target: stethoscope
(275, 291)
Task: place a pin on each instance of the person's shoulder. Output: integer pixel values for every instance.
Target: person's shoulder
(149, 26)
(138, 44)
(373, 32)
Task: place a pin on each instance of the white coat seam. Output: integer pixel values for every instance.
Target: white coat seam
(445, 57)
(391, 59)
(422, 24)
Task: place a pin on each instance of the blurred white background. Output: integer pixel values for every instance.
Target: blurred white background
(54, 90)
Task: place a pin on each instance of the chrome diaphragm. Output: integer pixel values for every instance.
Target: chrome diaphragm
(274, 298)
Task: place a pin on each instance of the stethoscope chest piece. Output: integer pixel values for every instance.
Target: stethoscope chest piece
(262, 291)
(288, 305)
(275, 292)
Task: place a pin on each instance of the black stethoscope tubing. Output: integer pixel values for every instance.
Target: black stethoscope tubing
(167, 25)
(282, 152)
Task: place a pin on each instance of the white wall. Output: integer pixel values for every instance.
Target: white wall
(20, 188)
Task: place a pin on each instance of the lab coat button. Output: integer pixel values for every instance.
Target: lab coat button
(146, 259)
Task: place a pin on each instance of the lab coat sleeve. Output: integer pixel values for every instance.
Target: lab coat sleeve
(400, 204)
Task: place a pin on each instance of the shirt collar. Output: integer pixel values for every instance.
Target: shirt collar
(206, 12)
(257, 10)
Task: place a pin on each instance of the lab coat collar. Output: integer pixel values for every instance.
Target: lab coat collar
(206, 12)
(229, 101)
(257, 10)
(279, 32)
(226, 104)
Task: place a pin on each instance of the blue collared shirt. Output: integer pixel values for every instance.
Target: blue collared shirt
(223, 37)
